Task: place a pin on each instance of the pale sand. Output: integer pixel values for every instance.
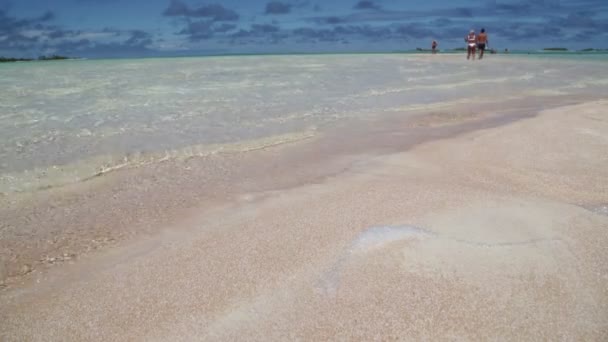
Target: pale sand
(495, 234)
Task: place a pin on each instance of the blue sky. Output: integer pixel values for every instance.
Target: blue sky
(126, 28)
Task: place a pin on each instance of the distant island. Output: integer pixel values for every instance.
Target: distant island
(558, 49)
(41, 58)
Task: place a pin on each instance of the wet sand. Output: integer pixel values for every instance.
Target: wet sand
(53, 226)
(485, 225)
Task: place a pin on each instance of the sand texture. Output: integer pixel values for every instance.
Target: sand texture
(498, 233)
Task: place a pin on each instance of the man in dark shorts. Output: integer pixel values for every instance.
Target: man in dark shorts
(482, 42)
(434, 47)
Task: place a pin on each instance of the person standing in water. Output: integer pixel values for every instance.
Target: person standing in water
(482, 42)
(434, 47)
(471, 40)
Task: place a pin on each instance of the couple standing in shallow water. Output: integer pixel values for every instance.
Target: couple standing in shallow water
(476, 41)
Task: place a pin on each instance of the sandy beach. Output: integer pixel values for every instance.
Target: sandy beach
(461, 222)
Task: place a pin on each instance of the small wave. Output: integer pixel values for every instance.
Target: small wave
(376, 237)
(438, 105)
(587, 83)
(370, 239)
(447, 85)
(600, 209)
(61, 175)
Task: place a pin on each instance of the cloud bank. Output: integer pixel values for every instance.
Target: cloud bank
(189, 25)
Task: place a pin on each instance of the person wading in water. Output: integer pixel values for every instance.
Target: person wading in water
(482, 42)
(471, 40)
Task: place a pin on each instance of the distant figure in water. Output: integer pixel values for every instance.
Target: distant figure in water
(434, 47)
(482, 42)
(471, 44)
(506, 50)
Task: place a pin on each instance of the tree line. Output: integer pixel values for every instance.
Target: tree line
(41, 58)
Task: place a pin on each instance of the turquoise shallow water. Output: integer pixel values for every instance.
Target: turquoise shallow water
(65, 121)
(573, 56)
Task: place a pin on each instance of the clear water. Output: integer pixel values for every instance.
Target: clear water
(62, 122)
(376, 237)
(370, 239)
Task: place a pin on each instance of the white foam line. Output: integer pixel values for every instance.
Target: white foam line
(370, 239)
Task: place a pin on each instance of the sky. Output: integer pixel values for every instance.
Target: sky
(142, 28)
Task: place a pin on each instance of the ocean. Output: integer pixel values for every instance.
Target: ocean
(63, 122)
